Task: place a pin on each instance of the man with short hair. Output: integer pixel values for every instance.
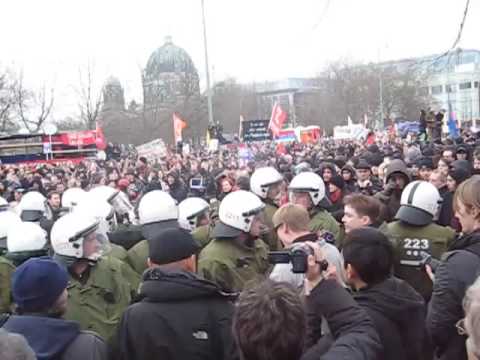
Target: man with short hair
(180, 315)
(291, 225)
(270, 320)
(365, 183)
(39, 288)
(54, 201)
(396, 309)
(439, 180)
(425, 167)
(449, 155)
(361, 210)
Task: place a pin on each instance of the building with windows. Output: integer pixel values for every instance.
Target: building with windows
(452, 81)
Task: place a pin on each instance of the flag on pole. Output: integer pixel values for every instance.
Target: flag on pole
(349, 121)
(452, 122)
(240, 126)
(100, 137)
(178, 126)
(278, 118)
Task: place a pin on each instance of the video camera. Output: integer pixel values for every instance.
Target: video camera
(427, 259)
(297, 255)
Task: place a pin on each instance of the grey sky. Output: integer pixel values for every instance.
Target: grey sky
(252, 40)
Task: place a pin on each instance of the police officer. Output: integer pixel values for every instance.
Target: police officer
(266, 184)
(105, 214)
(8, 220)
(33, 207)
(236, 255)
(415, 235)
(24, 241)
(127, 232)
(308, 190)
(157, 211)
(98, 290)
(193, 216)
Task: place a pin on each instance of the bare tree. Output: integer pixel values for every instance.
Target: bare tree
(33, 108)
(349, 89)
(7, 102)
(90, 98)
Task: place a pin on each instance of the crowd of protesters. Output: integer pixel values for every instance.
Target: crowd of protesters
(331, 250)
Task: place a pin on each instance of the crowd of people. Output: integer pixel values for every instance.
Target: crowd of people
(331, 250)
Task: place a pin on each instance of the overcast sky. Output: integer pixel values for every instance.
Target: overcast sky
(251, 40)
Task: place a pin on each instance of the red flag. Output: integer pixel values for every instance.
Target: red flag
(178, 126)
(100, 138)
(277, 120)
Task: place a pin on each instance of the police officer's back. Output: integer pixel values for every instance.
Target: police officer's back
(8, 219)
(236, 255)
(157, 211)
(415, 236)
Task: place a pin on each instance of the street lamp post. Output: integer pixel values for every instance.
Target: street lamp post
(207, 70)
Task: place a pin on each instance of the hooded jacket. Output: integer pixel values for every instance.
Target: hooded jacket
(57, 339)
(350, 186)
(398, 313)
(177, 189)
(458, 270)
(179, 316)
(390, 197)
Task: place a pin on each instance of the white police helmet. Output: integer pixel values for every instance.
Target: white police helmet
(72, 197)
(3, 204)
(236, 213)
(26, 237)
(308, 182)
(70, 233)
(8, 220)
(33, 206)
(419, 203)
(156, 206)
(189, 210)
(100, 210)
(262, 179)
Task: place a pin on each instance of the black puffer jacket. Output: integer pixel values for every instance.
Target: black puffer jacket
(398, 313)
(459, 269)
(353, 335)
(180, 316)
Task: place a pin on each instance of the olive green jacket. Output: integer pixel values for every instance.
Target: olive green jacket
(231, 265)
(98, 304)
(322, 220)
(6, 271)
(137, 257)
(409, 242)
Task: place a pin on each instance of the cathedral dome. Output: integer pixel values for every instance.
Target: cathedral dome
(169, 58)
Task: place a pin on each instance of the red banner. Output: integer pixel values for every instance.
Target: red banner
(277, 119)
(77, 138)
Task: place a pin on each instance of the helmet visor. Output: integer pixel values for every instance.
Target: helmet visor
(96, 244)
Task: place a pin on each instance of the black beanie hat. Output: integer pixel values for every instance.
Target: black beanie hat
(338, 181)
(171, 245)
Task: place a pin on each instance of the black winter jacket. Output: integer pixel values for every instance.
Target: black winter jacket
(180, 316)
(458, 270)
(57, 339)
(398, 313)
(352, 331)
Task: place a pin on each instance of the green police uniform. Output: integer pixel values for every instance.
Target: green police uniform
(118, 252)
(202, 234)
(231, 265)
(137, 257)
(409, 242)
(271, 239)
(98, 302)
(322, 220)
(6, 271)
